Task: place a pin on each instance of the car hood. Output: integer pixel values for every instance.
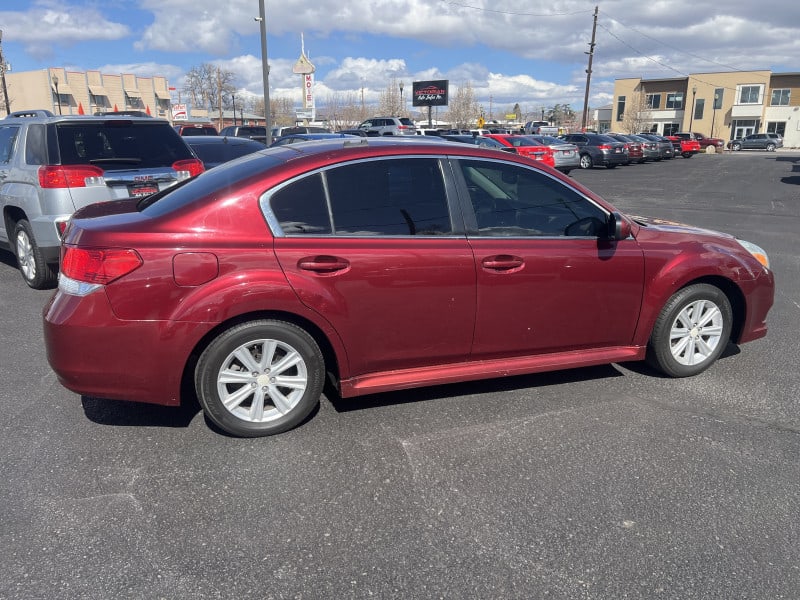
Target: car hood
(663, 226)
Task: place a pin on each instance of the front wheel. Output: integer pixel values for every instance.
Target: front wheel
(736, 147)
(260, 378)
(586, 161)
(691, 332)
(35, 271)
(611, 166)
(770, 147)
(687, 155)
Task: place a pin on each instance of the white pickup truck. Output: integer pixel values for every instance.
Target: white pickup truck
(541, 128)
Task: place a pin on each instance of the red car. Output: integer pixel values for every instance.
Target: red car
(383, 266)
(633, 147)
(526, 146)
(687, 148)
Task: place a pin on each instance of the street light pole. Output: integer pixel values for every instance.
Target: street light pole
(402, 105)
(233, 101)
(58, 96)
(714, 114)
(262, 18)
(691, 114)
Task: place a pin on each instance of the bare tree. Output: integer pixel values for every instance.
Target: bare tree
(390, 103)
(344, 111)
(463, 110)
(209, 86)
(637, 116)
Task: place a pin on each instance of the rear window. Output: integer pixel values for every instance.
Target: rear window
(121, 144)
(198, 131)
(407, 121)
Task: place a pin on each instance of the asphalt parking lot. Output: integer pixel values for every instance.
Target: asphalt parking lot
(600, 483)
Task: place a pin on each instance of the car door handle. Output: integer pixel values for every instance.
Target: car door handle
(502, 262)
(323, 264)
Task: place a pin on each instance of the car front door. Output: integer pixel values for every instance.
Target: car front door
(371, 247)
(548, 278)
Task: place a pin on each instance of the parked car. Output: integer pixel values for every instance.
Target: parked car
(651, 149)
(389, 126)
(633, 147)
(757, 141)
(358, 132)
(687, 148)
(214, 150)
(310, 254)
(704, 141)
(187, 129)
(665, 147)
(597, 150)
(52, 165)
(278, 132)
(526, 146)
(251, 132)
(479, 140)
(296, 138)
(540, 128)
(565, 155)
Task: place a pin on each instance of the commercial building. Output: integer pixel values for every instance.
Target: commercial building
(726, 105)
(73, 92)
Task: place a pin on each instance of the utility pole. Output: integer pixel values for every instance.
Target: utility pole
(3, 68)
(589, 73)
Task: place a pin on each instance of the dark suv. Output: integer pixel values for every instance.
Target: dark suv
(251, 132)
(596, 149)
(52, 165)
(757, 141)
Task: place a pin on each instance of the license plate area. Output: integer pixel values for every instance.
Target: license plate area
(137, 191)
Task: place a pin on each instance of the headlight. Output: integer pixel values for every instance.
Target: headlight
(756, 251)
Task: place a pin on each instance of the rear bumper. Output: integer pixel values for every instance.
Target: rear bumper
(95, 354)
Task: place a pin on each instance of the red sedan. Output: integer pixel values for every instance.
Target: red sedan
(526, 146)
(381, 266)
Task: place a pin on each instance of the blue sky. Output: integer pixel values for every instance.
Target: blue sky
(530, 52)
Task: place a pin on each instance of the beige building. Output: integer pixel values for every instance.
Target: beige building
(724, 105)
(73, 92)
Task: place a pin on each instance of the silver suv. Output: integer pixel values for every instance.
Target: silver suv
(50, 166)
(389, 126)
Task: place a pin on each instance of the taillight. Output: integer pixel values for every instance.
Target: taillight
(70, 176)
(98, 265)
(189, 166)
(604, 147)
(403, 127)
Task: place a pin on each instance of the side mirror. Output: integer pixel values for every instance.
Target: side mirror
(619, 228)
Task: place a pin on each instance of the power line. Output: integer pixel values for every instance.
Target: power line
(512, 13)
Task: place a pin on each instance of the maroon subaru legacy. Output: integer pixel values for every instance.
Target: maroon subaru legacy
(382, 265)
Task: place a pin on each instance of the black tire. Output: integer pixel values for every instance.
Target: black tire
(736, 147)
(34, 269)
(685, 343)
(249, 354)
(687, 155)
(586, 161)
(770, 147)
(611, 166)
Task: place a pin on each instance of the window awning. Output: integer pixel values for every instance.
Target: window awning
(98, 90)
(133, 93)
(163, 95)
(63, 88)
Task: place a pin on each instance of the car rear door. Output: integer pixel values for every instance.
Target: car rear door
(371, 246)
(548, 279)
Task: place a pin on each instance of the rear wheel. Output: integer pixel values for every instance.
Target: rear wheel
(586, 161)
(260, 378)
(687, 155)
(611, 166)
(35, 271)
(691, 332)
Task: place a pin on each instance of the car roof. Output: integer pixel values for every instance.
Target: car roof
(220, 139)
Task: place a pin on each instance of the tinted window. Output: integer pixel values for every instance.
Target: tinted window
(389, 197)
(301, 208)
(8, 136)
(509, 200)
(35, 149)
(123, 143)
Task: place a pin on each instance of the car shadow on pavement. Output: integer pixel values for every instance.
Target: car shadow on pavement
(137, 414)
(467, 388)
